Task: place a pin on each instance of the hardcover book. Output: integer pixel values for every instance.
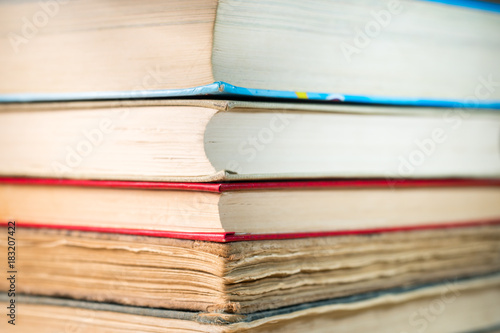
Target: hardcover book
(246, 276)
(237, 211)
(352, 282)
(200, 140)
(395, 51)
(460, 305)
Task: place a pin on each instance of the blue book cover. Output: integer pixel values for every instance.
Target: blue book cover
(226, 90)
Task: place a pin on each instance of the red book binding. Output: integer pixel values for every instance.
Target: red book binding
(225, 187)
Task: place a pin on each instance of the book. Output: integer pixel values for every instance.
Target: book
(397, 51)
(237, 211)
(210, 140)
(458, 305)
(246, 276)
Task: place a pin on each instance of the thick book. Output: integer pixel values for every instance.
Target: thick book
(261, 210)
(210, 140)
(241, 277)
(408, 52)
(458, 305)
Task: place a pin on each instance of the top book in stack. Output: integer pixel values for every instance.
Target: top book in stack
(392, 51)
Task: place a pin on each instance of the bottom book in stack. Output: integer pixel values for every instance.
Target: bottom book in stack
(440, 280)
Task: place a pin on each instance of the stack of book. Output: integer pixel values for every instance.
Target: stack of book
(250, 166)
